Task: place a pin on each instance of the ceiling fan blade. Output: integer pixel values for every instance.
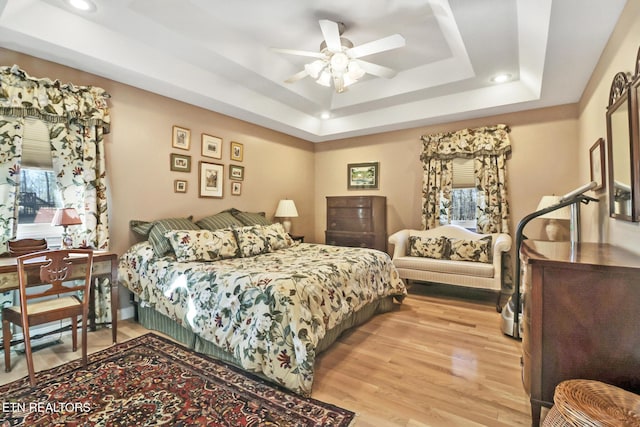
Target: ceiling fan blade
(387, 43)
(299, 52)
(331, 34)
(376, 70)
(298, 76)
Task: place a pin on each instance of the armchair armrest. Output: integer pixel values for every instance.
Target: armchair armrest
(400, 242)
(501, 243)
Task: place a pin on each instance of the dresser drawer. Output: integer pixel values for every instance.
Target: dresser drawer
(349, 223)
(349, 202)
(354, 240)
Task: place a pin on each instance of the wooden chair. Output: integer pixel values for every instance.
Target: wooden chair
(55, 269)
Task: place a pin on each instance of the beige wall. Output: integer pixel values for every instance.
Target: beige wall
(619, 55)
(543, 162)
(138, 148)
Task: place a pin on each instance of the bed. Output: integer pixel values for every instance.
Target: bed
(269, 310)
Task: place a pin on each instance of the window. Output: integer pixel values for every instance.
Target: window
(463, 194)
(39, 194)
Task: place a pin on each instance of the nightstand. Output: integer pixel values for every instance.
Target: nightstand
(297, 238)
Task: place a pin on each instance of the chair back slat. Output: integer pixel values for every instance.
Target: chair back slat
(56, 270)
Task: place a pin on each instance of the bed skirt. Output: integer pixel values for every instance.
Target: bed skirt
(151, 319)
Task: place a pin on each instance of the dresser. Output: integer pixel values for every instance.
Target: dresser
(357, 221)
(581, 317)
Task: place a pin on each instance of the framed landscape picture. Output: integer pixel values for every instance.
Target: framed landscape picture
(181, 138)
(363, 176)
(180, 163)
(211, 179)
(211, 146)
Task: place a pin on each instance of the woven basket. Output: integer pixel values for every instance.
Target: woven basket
(594, 403)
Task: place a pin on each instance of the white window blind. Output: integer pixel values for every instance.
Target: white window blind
(463, 173)
(36, 148)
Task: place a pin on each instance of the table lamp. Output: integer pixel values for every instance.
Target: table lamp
(66, 217)
(553, 227)
(286, 209)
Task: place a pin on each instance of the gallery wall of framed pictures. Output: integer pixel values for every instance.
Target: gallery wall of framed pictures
(211, 174)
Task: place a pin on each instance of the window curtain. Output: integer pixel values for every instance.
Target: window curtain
(77, 118)
(489, 147)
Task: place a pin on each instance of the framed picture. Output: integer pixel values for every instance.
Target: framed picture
(211, 146)
(236, 172)
(362, 176)
(181, 138)
(596, 160)
(236, 188)
(237, 151)
(211, 179)
(179, 186)
(180, 163)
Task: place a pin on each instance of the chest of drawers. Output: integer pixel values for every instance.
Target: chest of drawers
(580, 317)
(357, 221)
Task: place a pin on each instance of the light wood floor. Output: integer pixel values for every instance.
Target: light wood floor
(438, 360)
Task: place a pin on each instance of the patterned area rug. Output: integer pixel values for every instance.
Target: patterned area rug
(152, 381)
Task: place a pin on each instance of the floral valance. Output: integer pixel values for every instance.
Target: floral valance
(466, 143)
(24, 96)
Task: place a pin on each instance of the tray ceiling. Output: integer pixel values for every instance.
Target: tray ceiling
(217, 55)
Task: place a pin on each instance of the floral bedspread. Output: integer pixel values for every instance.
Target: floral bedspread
(269, 310)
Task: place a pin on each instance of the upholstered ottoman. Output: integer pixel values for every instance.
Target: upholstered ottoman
(592, 403)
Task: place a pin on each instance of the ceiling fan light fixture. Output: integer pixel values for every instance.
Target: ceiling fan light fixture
(339, 62)
(324, 79)
(315, 68)
(354, 71)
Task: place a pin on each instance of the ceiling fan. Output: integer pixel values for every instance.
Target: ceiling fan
(339, 62)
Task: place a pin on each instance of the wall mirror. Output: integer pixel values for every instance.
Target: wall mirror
(623, 147)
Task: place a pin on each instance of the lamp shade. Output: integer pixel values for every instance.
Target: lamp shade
(548, 201)
(286, 209)
(66, 216)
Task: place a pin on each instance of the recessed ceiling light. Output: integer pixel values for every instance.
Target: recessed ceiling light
(501, 78)
(325, 115)
(83, 5)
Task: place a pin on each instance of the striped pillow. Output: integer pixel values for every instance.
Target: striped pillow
(159, 242)
(219, 221)
(251, 218)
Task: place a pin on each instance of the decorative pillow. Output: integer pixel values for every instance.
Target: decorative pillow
(141, 228)
(251, 240)
(156, 230)
(251, 218)
(221, 220)
(202, 245)
(470, 250)
(277, 237)
(428, 247)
